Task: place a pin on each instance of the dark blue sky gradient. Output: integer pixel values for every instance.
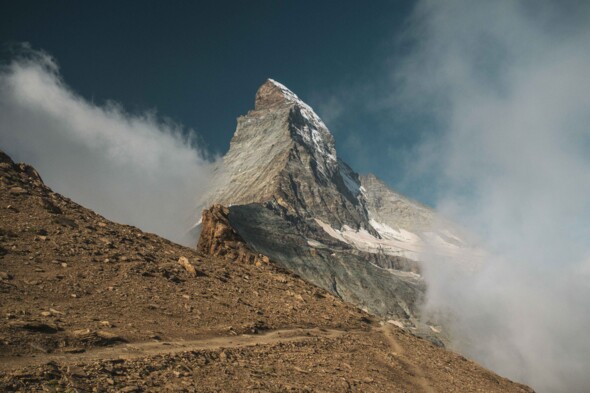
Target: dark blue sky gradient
(200, 63)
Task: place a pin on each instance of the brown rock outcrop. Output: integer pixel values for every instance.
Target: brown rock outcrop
(219, 239)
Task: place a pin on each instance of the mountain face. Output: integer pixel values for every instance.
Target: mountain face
(283, 153)
(290, 197)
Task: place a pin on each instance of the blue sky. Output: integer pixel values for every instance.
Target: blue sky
(200, 63)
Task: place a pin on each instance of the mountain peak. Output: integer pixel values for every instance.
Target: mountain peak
(272, 94)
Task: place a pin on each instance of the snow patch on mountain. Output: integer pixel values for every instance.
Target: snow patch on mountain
(401, 242)
(354, 186)
(306, 111)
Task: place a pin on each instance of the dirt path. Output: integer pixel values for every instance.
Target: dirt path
(398, 351)
(150, 348)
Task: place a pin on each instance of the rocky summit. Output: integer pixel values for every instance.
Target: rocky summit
(89, 305)
(289, 197)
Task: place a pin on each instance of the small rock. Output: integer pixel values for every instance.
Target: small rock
(399, 324)
(18, 191)
(109, 336)
(299, 297)
(300, 370)
(183, 261)
(281, 279)
(80, 332)
(77, 371)
(55, 312)
(5, 276)
(63, 264)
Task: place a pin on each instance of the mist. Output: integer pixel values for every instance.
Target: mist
(507, 85)
(137, 169)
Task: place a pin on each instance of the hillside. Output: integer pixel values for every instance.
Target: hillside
(91, 305)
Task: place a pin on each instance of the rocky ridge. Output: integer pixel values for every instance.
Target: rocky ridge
(90, 305)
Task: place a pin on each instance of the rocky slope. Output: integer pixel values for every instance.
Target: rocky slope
(292, 199)
(91, 305)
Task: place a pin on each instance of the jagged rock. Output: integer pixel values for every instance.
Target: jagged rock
(183, 261)
(284, 153)
(290, 198)
(217, 235)
(219, 238)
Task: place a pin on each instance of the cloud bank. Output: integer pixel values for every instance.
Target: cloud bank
(507, 85)
(133, 169)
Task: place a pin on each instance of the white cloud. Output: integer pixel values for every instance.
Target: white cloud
(134, 169)
(508, 85)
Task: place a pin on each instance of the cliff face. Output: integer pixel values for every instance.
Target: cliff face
(284, 153)
(289, 197)
(218, 238)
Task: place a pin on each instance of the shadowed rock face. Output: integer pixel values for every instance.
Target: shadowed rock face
(348, 273)
(291, 198)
